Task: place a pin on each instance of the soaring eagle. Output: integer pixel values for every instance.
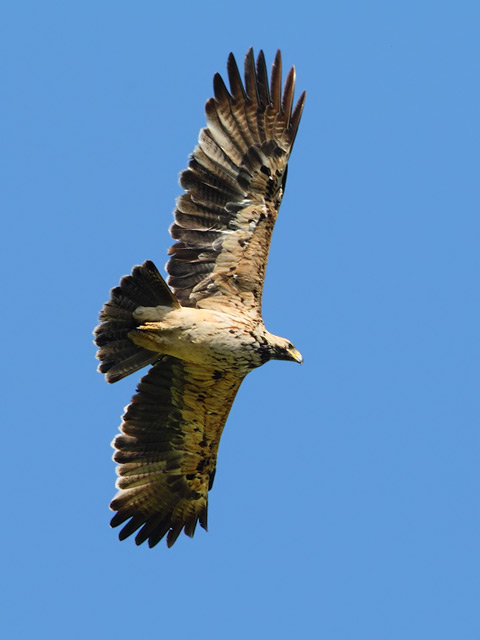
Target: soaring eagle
(205, 332)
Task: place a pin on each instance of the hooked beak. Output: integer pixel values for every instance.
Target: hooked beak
(295, 355)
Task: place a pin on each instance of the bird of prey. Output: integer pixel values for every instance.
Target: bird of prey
(204, 332)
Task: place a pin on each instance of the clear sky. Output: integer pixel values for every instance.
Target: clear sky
(346, 503)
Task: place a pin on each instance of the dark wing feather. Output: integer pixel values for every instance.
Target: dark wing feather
(167, 449)
(234, 186)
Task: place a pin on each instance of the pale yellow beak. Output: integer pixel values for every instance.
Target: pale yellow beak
(295, 355)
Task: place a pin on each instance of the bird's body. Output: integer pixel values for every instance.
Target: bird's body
(202, 336)
(206, 333)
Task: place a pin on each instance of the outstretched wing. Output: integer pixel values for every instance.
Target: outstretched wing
(167, 449)
(234, 186)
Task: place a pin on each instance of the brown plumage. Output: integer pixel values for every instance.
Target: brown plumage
(206, 333)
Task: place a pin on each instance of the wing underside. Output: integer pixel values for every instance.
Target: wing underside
(233, 189)
(167, 449)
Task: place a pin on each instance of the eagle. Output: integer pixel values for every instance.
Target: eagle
(203, 331)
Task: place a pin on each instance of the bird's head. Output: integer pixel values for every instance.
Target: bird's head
(283, 349)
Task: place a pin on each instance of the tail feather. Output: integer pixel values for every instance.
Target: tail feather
(118, 355)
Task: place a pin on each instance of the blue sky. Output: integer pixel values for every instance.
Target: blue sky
(346, 503)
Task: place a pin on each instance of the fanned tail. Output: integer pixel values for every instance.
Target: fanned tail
(118, 355)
